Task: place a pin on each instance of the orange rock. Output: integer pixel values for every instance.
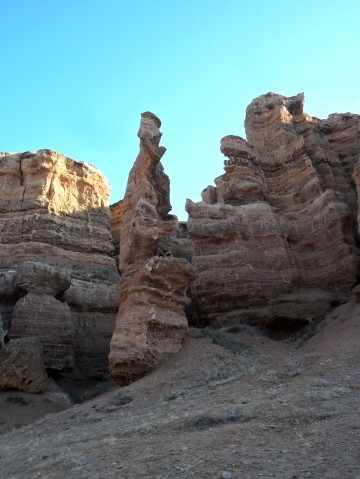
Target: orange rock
(54, 213)
(151, 322)
(274, 242)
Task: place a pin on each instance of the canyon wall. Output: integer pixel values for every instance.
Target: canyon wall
(275, 240)
(273, 243)
(58, 279)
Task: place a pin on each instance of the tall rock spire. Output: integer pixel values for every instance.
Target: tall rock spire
(151, 322)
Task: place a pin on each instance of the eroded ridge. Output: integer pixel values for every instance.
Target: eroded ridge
(275, 240)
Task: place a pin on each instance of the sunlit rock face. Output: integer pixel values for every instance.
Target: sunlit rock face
(275, 240)
(54, 213)
(151, 322)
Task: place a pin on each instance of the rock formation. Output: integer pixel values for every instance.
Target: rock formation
(275, 240)
(151, 321)
(40, 314)
(116, 211)
(21, 366)
(54, 214)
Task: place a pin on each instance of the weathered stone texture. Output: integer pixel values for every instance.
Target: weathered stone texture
(54, 213)
(275, 240)
(151, 321)
(39, 314)
(116, 211)
(22, 366)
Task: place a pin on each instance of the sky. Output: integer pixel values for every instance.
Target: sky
(77, 74)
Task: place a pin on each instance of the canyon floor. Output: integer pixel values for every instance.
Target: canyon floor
(231, 404)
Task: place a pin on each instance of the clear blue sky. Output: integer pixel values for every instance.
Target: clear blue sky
(77, 74)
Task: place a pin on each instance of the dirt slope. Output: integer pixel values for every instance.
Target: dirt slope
(254, 408)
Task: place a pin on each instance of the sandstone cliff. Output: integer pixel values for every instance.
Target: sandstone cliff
(151, 321)
(275, 240)
(54, 217)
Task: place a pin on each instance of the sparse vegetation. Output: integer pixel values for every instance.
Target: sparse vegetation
(18, 400)
(213, 410)
(121, 399)
(208, 420)
(248, 328)
(98, 389)
(308, 331)
(224, 341)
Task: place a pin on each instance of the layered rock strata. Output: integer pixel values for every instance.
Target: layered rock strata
(116, 211)
(54, 211)
(40, 314)
(275, 240)
(151, 322)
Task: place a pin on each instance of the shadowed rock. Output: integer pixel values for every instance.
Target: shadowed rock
(39, 314)
(54, 213)
(21, 366)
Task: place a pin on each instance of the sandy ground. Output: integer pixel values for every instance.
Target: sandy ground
(249, 408)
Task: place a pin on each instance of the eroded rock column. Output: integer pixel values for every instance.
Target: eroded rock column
(151, 322)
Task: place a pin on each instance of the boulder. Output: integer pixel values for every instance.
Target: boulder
(21, 365)
(41, 277)
(48, 319)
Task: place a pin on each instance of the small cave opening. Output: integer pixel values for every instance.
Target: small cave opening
(357, 242)
(78, 387)
(193, 313)
(60, 297)
(284, 328)
(335, 303)
(351, 236)
(53, 373)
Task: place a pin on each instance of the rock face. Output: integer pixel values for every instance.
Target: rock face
(54, 214)
(40, 314)
(275, 240)
(21, 366)
(116, 211)
(151, 321)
